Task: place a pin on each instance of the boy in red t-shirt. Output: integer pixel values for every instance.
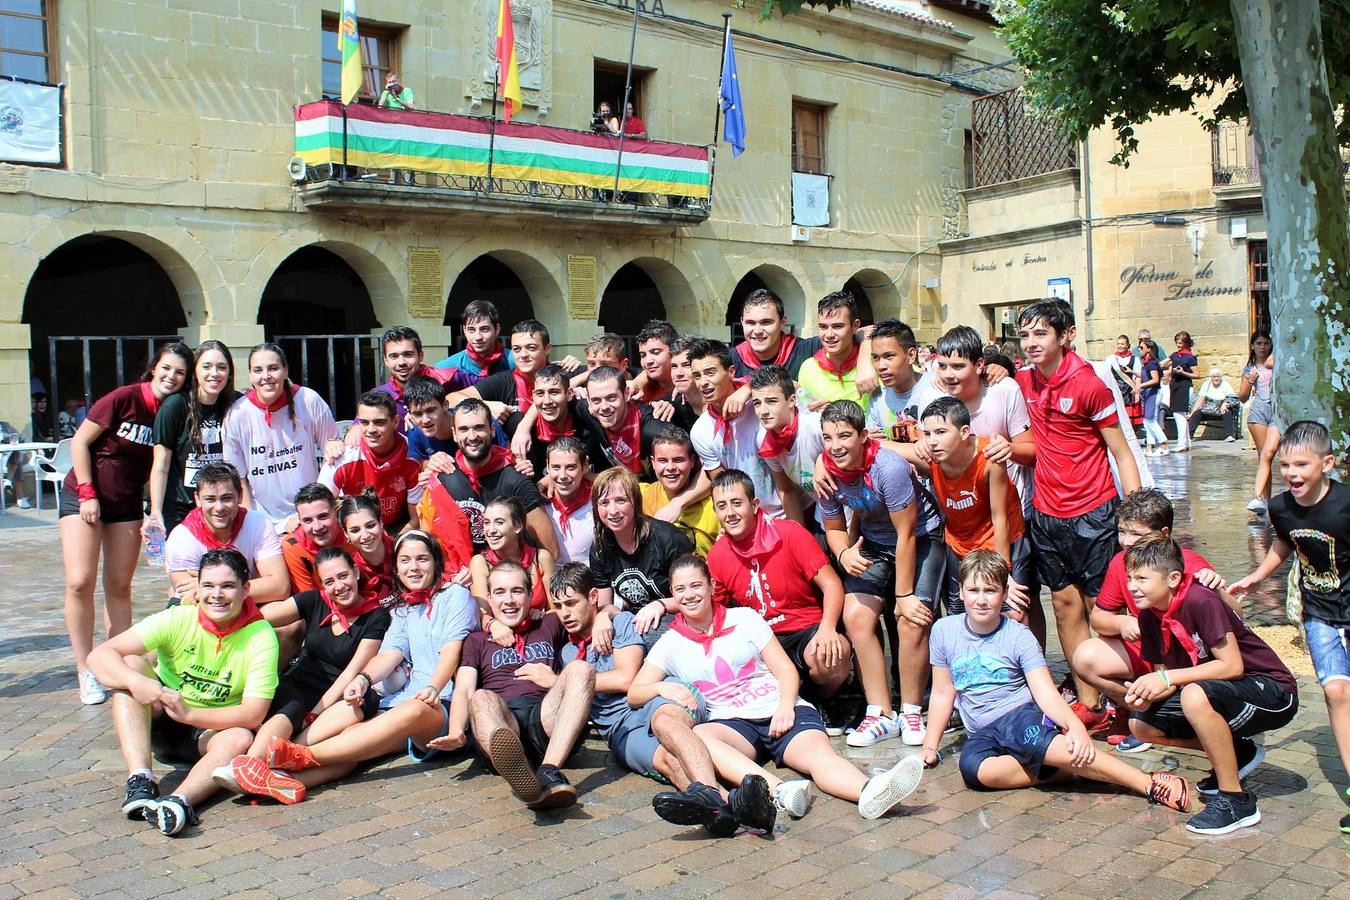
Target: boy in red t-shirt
(1113, 658)
(1215, 685)
(380, 461)
(1073, 522)
(775, 567)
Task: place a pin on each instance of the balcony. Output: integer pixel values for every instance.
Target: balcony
(363, 158)
(1011, 143)
(1237, 170)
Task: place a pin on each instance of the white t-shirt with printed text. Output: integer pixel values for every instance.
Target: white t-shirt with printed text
(278, 460)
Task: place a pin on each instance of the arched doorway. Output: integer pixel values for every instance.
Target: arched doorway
(878, 297)
(96, 307)
(862, 298)
(488, 278)
(631, 300)
(772, 278)
(319, 310)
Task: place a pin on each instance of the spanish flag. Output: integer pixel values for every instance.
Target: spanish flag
(508, 74)
(349, 45)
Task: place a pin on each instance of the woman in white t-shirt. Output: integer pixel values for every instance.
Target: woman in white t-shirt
(275, 434)
(730, 659)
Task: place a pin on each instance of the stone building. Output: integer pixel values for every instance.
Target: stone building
(172, 211)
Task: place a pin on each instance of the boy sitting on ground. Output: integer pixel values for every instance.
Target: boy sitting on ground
(1020, 731)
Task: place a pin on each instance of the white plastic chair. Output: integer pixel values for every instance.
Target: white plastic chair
(53, 469)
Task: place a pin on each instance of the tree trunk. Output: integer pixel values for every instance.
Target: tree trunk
(1303, 187)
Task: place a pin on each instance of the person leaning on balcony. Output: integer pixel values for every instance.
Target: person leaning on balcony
(633, 126)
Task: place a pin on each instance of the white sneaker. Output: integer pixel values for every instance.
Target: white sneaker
(1230, 439)
(882, 792)
(794, 797)
(1256, 504)
(223, 776)
(912, 729)
(873, 728)
(24, 503)
(91, 692)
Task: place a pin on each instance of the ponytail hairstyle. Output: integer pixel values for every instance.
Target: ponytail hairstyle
(288, 388)
(366, 501)
(178, 349)
(228, 394)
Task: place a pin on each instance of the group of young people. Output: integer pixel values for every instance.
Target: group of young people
(703, 556)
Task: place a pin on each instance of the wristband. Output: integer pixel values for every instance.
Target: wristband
(85, 492)
(369, 680)
(903, 596)
(1167, 681)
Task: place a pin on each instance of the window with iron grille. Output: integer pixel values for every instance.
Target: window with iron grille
(808, 137)
(1010, 142)
(1258, 280)
(26, 40)
(379, 57)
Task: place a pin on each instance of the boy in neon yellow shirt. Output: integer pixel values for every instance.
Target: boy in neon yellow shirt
(831, 374)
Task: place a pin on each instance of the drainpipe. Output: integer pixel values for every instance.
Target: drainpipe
(1086, 164)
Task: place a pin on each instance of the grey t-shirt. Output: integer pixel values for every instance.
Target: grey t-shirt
(894, 486)
(608, 710)
(989, 670)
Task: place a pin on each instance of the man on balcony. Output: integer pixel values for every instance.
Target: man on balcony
(396, 96)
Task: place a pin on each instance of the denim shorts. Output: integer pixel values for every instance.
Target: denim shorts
(930, 569)
(1261, 411)
(1330, 649)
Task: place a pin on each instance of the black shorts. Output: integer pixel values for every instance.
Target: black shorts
(1025, 734)
(1074, 551)
(1252, 705)
(930, 568)
(528, 712)
(173, 741)
(756, 731)
(68, 504)
(794, 644)
(301, 688)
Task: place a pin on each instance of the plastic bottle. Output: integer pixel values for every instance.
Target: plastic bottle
(154, 544)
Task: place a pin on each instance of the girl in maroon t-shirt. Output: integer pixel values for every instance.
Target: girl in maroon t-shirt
(102, 500)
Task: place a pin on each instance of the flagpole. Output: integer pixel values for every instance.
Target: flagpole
(717, 117)
(627, 89)
(492, 125)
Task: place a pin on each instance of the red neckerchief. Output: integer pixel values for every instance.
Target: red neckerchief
(719, 617)
(441, 376)
(306, 542)
(376, 583)
(498, 459)
(565, 509)
(763, 540)
(277, 404)
(786, 344)
(196, 523)
(524, 389)
(1126, 355)
(345, 617)
(520, 631)
(547, 432)
(652, 392)
(1172, 628)
(372, 465)
(720, 425)
(823, 360)
(527, 555)
(247, 616)
(778, 441)
(423, 597)
(626, 443)
(485, 363)
(848, 476)
(149, 397)
(581, 643)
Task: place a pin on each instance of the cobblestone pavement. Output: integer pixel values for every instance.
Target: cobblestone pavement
(403, 830)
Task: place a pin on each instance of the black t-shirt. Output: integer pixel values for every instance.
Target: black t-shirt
(505, 482)
(587, 431)
(1320, 534)
(685, 414)
(497, 665)
(171, 431)
(1207, 619)
(805, 349)
(649, 429)
(501, 387)
(328, 653)
(644, 576)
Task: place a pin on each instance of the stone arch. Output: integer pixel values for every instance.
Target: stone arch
(540, 280)
(783, 282)
(377, 263)
(673, 297)
(878, 297)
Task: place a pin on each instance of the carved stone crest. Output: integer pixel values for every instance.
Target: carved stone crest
(532, 21)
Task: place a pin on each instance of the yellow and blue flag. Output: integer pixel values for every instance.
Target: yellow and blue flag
(349, 47)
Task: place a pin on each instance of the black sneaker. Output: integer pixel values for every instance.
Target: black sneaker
(557, 790)
(1249, 756)
(142, 791)
(1224, 813)
(697, 804)
(1345, 824)
(752, 804)
(171, 815)
(834, 715)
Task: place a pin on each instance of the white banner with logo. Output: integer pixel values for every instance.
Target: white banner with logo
(30, 122)
(810, 199)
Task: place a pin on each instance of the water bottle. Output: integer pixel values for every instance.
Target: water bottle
(154, 544)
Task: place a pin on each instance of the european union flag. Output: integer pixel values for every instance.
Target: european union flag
(731, 102)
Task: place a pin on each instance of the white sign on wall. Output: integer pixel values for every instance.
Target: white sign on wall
(1060, 289)
(30, 122)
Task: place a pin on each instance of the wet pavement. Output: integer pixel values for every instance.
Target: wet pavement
(402, 830)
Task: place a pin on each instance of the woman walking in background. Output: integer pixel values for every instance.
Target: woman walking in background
(1149, 382)
(1184, 368)
(1257, 386)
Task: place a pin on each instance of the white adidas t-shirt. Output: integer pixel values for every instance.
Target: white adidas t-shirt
(740, 452)
(278, 460)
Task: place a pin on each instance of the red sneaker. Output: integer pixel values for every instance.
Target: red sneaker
(255, 777)
(1169, 790)
(290, 757)
(1120, 727)
(1093, 719)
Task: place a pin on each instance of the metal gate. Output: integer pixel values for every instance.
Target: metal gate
(339, 367)
(94, 365)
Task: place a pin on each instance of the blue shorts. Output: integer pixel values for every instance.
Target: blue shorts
(633, 743)
(930, 570)
(756, 732)
(1330, 649)
(1024, 734)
